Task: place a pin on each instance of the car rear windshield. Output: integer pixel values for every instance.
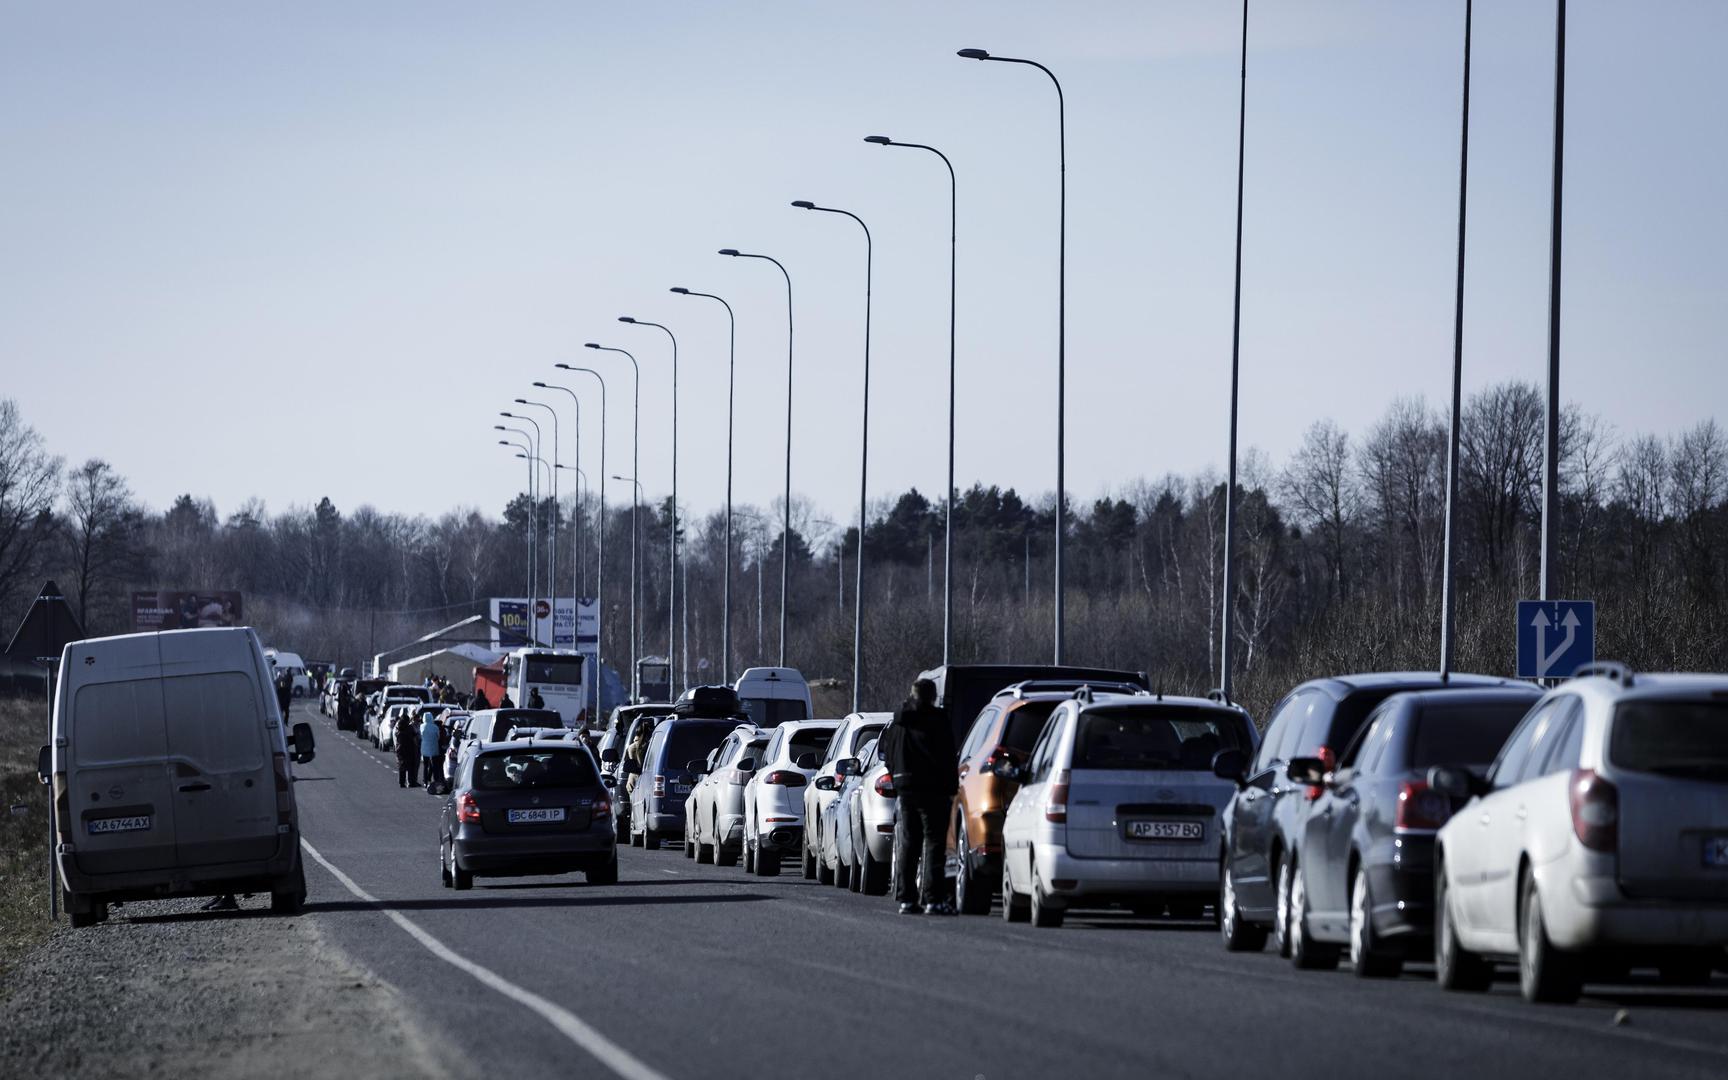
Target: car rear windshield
(1674, 738)
(811, 741)
(555, 670)
(1025, 723)
(692, 740)
(505, 719)
(1156, 737)
(771, 712)
(520, 769)
(1463, 734)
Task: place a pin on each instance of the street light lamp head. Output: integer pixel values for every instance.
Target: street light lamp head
(587, 345)
(804, 204)
(729, 251)
(973, 54)
(680, 290)
(541, 385)
(510, 415)
(625, 318)
(499, 427)
(879, 140)
(520, 401)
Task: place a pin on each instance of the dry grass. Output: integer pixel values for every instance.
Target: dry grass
(23, 834)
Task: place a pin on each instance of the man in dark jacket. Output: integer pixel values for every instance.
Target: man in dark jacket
(919, 749)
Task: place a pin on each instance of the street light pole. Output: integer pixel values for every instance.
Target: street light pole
(863, 461)
(948, 497)
(1061, 329)
(726, 589)
(672, 577)
(533, 522)
(529, 584)
(1448, 587)
(1229, 618)
(786, 509)
(600, 567)
(636, 504)
(533, 615)
(1551, 433)
(557, 513)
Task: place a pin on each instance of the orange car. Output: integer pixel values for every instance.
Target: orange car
(1004, 730)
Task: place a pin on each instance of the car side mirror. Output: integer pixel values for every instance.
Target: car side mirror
(609, 755)
(806, 761)
(1455, 782)
(846, 767)
(823, 783)
(1231, 765)
(45, 764)
(1308, 771)
(1006, 770)
(305, 747)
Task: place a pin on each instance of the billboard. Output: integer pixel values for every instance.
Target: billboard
(567, 623)
(185, 610)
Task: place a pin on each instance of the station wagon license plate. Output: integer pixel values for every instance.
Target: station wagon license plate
(680, 789)
(1164, 830)
(1716, 852)
(137, 823)
(534, 817)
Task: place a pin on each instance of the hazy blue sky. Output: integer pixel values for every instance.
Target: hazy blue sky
(226, 228)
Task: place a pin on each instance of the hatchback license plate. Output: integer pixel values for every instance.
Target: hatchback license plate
(680, 789)
(1716, 852)
(1164, 830)
(119, 824)
(534, 817)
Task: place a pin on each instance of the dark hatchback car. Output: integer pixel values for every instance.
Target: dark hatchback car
(523, 808)
(1367, 850)
(1264, 821)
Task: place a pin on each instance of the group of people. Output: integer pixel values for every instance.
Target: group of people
(420, 748)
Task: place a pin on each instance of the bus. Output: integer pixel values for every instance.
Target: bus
(558, 674)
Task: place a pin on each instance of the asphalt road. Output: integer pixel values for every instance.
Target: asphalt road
(683, 970)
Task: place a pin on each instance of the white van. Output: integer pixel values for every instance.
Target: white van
(170, 772)
(295, 667)
(774, 695)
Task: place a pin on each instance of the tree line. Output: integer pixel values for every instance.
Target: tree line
(1339, 559)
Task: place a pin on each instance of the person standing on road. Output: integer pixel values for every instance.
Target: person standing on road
(478, 702)
(284, 693)
(535, 701)
(919, 749)
(407, 742)
(431, 734)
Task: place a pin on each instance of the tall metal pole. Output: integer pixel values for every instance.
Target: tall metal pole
(1551, 440)
(1448, 597)
(726, 588)
(557, 515)
(1229, 615)
(948, 497)
(600, 575)
(786, 509)
(635, 506)
(528, 584)
(863, 465)
(533, 524)
(672, 576)
(1061, 333)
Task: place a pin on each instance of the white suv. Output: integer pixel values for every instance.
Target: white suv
(714, 812)
(774, 796)
(1599, 833)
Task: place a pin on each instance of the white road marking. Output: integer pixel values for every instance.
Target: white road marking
(571, 1026)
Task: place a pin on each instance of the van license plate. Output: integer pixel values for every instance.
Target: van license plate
(1716, 852)
(1164, 830)
(534, 817)
(118, 824)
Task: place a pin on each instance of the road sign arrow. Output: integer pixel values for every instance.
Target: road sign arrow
(1545, 660)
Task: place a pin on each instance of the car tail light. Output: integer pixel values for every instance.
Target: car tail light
(602, 807)
(466, 808)
(1595, 811)
(1420, 808)
(1329, 763)
(885, 785)
(996, 757)
(785, 777)
(1056, 808)
(659, 786)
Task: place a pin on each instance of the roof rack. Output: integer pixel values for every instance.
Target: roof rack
(1068, 686)
(1607, 669)
(1218, 695)
(1083, 694)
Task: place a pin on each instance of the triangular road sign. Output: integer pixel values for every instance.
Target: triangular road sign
(46, 629)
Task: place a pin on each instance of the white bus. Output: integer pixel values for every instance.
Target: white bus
(560, 677)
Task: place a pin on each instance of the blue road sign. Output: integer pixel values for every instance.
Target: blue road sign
(1555, 637)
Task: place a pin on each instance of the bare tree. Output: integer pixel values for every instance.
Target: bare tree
(101, 532)
(1324, 495)
(29, 484)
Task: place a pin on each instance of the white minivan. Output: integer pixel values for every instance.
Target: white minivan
(300, 684)
(773, 695)
(170, 770)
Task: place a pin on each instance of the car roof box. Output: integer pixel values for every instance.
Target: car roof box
(710, 701)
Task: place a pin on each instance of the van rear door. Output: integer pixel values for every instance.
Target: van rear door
(218, 749)
(119, 787)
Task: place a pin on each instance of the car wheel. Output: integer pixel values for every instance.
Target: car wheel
(749, 858)
(1281, 914)
(1369, 956)
(689, 845)
(1305, 952)
(606, 874)
(767, 863)
(459, 878)
(84, 912)
(1239, 935)
(1013, 907)
(1455, 967)
(971, 892)
(824, 872)
(874, 873)
(650, 840)
(809, 861)
(443, 867)
(288, 897)
(1545, 974)
(842, 874)
(1042, 913)
(704, 853)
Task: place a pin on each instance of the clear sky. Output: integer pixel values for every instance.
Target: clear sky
(290, 250)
